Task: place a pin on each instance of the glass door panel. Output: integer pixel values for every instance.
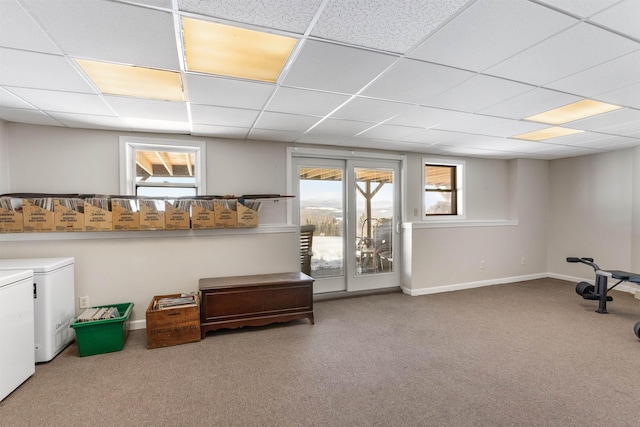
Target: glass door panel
(374, 190)
(321, 206)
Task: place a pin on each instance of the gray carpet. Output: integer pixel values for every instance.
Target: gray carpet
(524, 354)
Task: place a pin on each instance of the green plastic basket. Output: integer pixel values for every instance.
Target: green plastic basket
(103, 336)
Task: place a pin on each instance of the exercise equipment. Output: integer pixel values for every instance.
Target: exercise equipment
(599, 292)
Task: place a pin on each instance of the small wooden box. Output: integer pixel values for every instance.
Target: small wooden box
(176, 215)
(38, 215)
(225, 213)
(125, 214)
(247, 218)
(97, 215)
(11, 220)
(69, 214)
(202, 216)
(151, 214)
(172, 326)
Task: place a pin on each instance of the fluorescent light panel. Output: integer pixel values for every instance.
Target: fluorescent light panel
(138, 82)
(576, 111)
(548, 133)
(214, 48)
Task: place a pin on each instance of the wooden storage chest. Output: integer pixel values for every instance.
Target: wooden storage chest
(234, 302)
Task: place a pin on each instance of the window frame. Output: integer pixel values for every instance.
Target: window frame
(459, 191)
(129, 146)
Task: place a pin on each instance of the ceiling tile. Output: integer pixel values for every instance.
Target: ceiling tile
(306, 102)
(513, 127)
(393, 26)
(88, 121)
(467, 122)
(477, 93)
(425, 117)
(69, 102)
(582, 8)
(415, 81)
(7, 99)
(285, 122)
(335, 68)
(433, 136)
(106, 31)
(220, 131)
(33, 117)
(41, 71)
(574, 50)
(622, 17)
(611, 120)
(294, 16)
(490, 31)
(597, 80)
(273, 135)
(223, 116)
(151, 125)
(607, 141)
(148, 109)
(18, 30)
(626, 97)
(529, 103)
(226, 92)
(389, 132)
(370, 110)
(340, 127)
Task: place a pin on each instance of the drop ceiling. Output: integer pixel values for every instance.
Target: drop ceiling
(448, 77)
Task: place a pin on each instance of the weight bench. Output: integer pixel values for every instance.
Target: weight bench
(599, 292)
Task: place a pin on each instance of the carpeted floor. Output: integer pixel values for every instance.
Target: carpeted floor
(524, 354)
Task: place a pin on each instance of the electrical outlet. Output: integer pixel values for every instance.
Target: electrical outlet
(523, 261)
(415, 212)
(482, 265)
(83, 302)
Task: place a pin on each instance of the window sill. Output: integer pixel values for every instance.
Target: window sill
(459, 223)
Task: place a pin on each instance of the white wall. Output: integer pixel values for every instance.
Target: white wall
(592, 202)
(134, 269)
(446, 258)
(4, 158)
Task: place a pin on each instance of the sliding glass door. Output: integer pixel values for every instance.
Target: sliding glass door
(353, 207)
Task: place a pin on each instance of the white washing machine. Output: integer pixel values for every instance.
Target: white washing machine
(54, 302)
(17, 359)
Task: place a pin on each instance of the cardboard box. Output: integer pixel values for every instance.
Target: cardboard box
(176, 215)
(68, 214)
(97, 214)
(37, 215)
(172, 326)
(151, 214)
(225, 213)
(11, 220)
(125, 214)
(247, 218)
(202, 216)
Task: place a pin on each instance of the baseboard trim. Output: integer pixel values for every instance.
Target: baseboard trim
(137, 324)
(471, 285)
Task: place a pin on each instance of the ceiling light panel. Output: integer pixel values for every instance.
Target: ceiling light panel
(214, 48)
(576, 111)
(548, 133)
(116, 79)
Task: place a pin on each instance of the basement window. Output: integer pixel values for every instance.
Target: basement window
(443, 188)
(161, 168)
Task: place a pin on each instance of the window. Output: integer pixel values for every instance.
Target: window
(443, 188)
(161, 168)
